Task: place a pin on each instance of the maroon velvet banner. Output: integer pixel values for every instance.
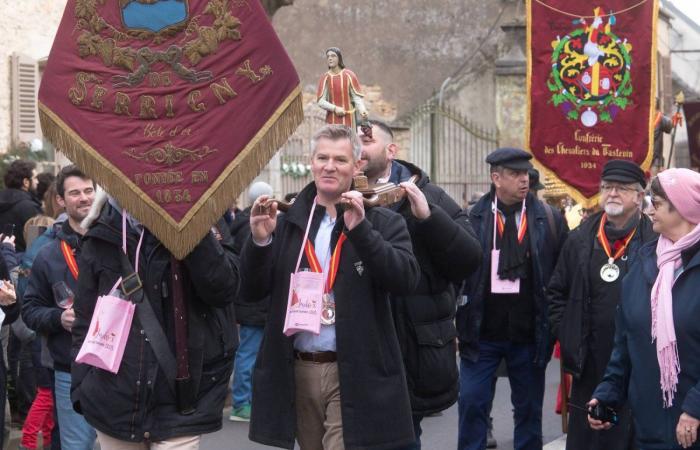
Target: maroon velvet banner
(173, 106)
(591, 77)
(692, 122)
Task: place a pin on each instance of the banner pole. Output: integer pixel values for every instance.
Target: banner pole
(680, 99)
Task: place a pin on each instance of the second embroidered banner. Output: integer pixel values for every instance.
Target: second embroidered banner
(591, 77)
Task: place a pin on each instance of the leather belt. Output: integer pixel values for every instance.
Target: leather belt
(317, 357)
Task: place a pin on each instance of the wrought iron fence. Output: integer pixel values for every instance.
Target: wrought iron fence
(452, 149)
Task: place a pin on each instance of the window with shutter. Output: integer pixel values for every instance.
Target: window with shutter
(25, 88)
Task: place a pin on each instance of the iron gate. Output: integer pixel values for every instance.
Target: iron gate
(452, 149)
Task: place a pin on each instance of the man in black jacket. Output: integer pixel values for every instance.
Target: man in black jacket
(584, 293)
(190, 319)
(18, 202)
(505, 314)
(48, 299)
(447, 251)
(345, 386)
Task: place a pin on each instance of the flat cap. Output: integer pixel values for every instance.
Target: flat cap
(623, 171)
(511, 158)
(534, 176)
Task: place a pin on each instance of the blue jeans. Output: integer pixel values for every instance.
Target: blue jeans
(527, 394)
(76, 433)
(250, 338)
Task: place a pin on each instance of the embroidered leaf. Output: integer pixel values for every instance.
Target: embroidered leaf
(84, 8)
(573, 114)
(558, 99)
(192, 53)
(621, 102)
(605, 117)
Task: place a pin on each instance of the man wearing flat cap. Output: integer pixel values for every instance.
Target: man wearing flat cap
(505, 315)
(584, 293)
(535, 183)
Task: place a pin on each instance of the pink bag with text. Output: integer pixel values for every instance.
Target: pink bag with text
(305, 299)
(106, 338)
(305, 303)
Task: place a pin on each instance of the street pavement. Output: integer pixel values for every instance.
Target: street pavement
(439, 432)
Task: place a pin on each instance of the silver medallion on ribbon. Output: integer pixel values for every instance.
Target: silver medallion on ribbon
(328, 310)
(610, 271)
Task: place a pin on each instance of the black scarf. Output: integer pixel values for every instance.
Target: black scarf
(512, 264)
(614, 234)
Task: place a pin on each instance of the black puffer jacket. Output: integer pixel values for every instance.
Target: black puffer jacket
(248, 313)
(136, 403)
(16, 207)
(447, 251)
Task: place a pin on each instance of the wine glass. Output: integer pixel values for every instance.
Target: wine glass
(63, 295)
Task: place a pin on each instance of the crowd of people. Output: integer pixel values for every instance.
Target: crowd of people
(416, 304)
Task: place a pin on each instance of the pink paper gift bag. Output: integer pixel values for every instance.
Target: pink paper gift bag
(106, 338)
(304, 303)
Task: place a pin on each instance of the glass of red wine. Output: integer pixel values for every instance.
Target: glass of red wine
(63, 295)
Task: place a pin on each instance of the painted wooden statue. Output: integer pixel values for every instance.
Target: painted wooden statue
(339, 92)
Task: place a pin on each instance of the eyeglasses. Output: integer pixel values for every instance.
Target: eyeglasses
(657, 201)
(607, 188)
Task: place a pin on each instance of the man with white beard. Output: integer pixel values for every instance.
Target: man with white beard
(584, 292)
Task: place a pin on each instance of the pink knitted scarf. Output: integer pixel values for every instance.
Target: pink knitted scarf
(682, 187)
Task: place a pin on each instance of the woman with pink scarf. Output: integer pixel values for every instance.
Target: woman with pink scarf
(655, 364)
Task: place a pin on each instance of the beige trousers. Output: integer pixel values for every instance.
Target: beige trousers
(319, 423)
(178, 443)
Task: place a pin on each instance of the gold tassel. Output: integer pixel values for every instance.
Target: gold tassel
(180, 238)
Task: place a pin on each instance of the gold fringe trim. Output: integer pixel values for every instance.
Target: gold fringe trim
(587, 202)
(646, 165)
(179, 237)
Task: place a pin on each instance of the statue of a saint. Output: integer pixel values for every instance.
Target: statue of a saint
(339, 92)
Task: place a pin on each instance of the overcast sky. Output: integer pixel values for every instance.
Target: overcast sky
(690, 8)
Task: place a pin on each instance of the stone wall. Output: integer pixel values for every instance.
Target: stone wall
(28, 28)
(407, 47)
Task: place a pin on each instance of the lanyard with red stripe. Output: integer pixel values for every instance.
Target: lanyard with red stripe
(70, 258)
(522, 229)
(335, 260)
(606, 245)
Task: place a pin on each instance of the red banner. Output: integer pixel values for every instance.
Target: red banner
(173, 106)
(591, 78)
(692, 121)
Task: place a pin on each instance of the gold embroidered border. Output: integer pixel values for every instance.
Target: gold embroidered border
(574, 193)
